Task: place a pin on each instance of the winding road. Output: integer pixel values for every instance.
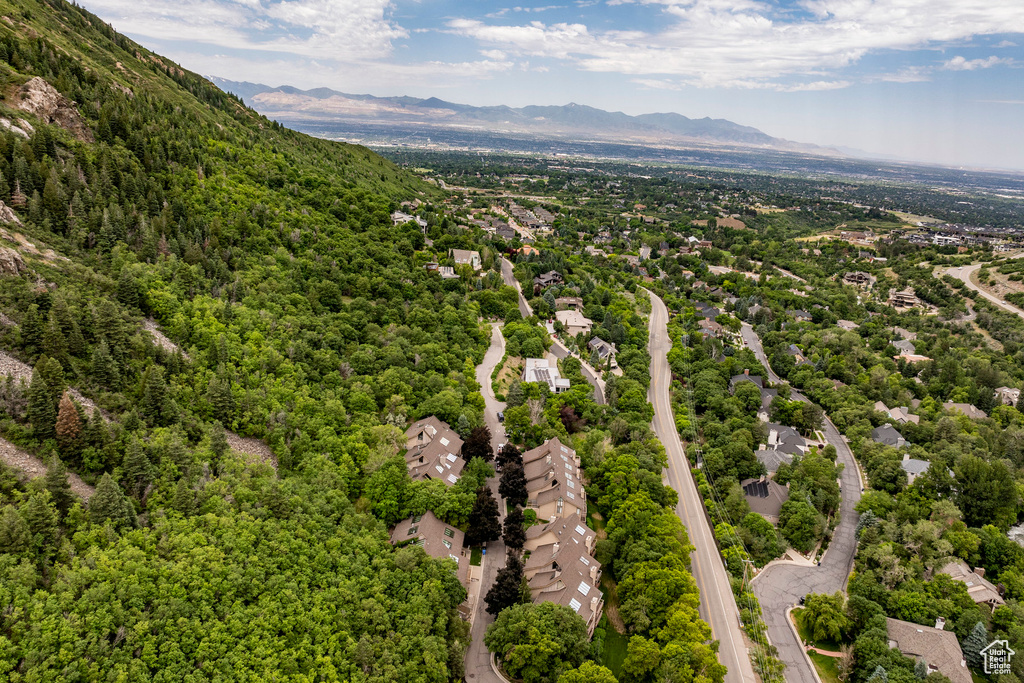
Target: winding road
(964, 273)
(781, 585)
(717, 604)
(478, 659)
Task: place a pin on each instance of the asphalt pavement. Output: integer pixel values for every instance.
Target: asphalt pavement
(781, 585)
(478, 659)
(717, 604)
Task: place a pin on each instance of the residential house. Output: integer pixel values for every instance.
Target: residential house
(914, 467)
(981, 590)
(545, 370)
(887, 434)
(860, 279)
(971, 411)
(466, 257)
(847, 325)
(561, 567)
(400, 218)
(901, 414)
(1008, 396)
(553, 481)
(905, 347)
(574, 322)
(448, 273)
(798, 355)
(706, 309)
(904, 299)
(765, 497)
(439, 540)
(781, 445)
(939, 649)
(745, 377)
(545, 280)
(709, 328)
(904, 334)
(604, 350)
(645, 252)
(573, 303)
(432, 451)
(799, 315)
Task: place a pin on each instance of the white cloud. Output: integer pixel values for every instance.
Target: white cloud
(745, 43)
(349, 30)
(959, 63)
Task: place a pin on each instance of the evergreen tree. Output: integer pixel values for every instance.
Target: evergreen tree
(184, 499)
(137, 469)
(32, 331)
(55, 344)
(512, 486)
(104, 368)
(484, 524)
(128, 289)
(973, 644)
(508, 454)
(478, 444)
(69, 427)
(154, 397)
(57, 484)
(41, 519)
(220, 396)
(921, 669)
(15, 536)
(462, 425)
(110, 503)
(41, 412)
(178, 453)
(515, 396)
(1020, 402)
(514, 534)
(218, 440)
(506, 590)
(53, 372)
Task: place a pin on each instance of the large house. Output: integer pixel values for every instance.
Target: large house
(914, 467)
(400, 218)
(904, 299)
(968, 409)
(765, 497)
(569, 303)
(574, 322)
(604, 350)
(432, 451)
(981, 590)
(887, 434)
(1008, 396)
(938, 648)
(561, 567)
(860, 279)
(544, 370)
(545, 280)
(782, 444)
(464, 257)
(901, 414)
(553, 482)
(439, 540)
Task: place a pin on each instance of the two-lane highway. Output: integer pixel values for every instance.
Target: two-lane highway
(717, 604)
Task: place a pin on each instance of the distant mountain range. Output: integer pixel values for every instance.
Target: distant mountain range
(571, 121)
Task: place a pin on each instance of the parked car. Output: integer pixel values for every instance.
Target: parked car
(501, 416)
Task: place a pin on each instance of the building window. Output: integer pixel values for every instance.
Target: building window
(413, 529)
(449, 533)
(447, 544)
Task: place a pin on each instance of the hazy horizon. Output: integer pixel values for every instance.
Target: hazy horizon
(935, 81)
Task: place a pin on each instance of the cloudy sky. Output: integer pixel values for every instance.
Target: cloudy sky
(931, 80)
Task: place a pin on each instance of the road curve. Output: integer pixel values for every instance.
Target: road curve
(781, 585)
(717, 604)
(964, 274)
(478, 659)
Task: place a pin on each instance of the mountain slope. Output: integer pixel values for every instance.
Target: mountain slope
(571, 120)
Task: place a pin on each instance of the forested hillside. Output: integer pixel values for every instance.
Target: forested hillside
(294, 313)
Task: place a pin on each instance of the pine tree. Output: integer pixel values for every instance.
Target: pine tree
(184, 500)
(507, 588)
(69, 427)
(484, 524)
(921, 669)
(1020, 402)
(512, 486)
(104, 368)
(462, 425)
(41, 412)
(53, 372)
(220, 396)
(514, 397)
(218, 440)
(110, 503)
(178, 453)
(154, 397)
(41, 519)
(55, 344)
(128, 289)
(508, 454)
(478, 444)
(57, 484)
(15, 536)
(514, 534)
(137, 469)
(973, 644)
(32, 331)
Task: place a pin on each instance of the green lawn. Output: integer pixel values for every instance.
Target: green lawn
(828, 672)
(474, 557)
(805, 634)
(614, 652)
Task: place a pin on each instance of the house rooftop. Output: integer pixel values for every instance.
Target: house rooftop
(939, 648)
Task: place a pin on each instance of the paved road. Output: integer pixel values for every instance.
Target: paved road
(478, 659)
(557, 349)
(781, 585)
(964, 273)
(717, 604)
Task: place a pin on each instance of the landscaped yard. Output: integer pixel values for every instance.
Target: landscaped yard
(805, 634)
(614, 652)
(828, 671)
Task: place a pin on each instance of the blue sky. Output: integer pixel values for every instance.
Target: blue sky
(929, 80)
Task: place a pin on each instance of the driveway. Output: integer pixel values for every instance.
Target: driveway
(781, 585)
(717, 603)
(478, 659)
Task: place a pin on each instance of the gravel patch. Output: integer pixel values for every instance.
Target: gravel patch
(160, 339)
(253, 447)
(15, 368)
(4, 320)
(33, 468)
